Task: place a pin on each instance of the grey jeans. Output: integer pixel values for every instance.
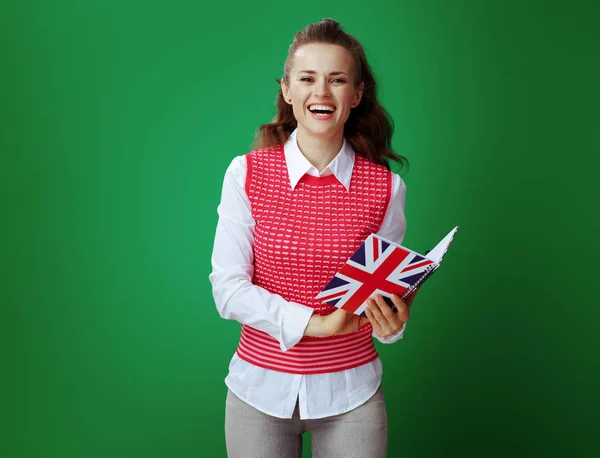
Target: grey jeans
(360, 433)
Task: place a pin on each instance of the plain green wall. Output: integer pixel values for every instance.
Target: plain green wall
(118, 122)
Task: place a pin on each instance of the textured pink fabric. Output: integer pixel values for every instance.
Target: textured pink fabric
(303, 237)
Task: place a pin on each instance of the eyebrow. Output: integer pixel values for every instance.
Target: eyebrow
(312, 72)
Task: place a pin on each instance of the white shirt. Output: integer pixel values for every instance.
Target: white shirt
(237, 298)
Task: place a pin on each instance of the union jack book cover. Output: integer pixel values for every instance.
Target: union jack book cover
(384, 267)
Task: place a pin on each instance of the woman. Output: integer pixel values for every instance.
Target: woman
(292, 211)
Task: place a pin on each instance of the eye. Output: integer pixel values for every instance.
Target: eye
(306, 78)
(339, 80)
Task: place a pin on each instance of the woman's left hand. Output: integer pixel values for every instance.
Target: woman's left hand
(384, 320)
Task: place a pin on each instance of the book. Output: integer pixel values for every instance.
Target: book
(384, 267)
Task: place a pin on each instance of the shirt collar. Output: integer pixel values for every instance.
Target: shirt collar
(297, 164)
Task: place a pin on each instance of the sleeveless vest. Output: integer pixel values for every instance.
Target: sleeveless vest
(302, 238)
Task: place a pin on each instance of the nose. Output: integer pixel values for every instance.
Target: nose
(322, 88)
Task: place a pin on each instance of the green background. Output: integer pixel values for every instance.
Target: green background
(118, 121)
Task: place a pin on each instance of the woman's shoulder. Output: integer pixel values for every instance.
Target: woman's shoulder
(236, 170)
(371, 167)
(265, 157)
(239, 164)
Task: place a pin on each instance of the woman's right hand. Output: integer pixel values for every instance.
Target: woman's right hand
(338, 322)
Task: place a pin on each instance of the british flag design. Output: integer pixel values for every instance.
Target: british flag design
(378, 266)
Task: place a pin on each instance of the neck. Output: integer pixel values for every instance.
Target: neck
(319, 150)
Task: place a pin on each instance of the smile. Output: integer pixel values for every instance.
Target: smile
(321, 112)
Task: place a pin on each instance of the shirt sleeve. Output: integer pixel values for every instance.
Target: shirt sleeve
(236, 297)
(393, 228)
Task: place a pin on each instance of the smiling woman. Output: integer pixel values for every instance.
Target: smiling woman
(322, 98)
(327, 66)
(316, 184)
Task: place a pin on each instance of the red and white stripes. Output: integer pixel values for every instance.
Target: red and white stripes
(310, 355)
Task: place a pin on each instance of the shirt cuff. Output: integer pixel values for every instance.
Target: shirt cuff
(399, 334)
(294, 323)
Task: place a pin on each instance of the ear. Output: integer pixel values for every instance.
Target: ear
(285, 91)
(359, 92)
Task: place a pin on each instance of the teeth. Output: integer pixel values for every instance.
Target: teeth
(321, 107)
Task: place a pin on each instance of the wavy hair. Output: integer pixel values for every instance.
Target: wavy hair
(369, 127)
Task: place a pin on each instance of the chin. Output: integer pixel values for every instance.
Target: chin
(321, 129)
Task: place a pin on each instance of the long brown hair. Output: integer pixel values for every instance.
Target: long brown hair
(369, 127)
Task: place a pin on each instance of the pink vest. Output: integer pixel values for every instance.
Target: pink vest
(303, 237)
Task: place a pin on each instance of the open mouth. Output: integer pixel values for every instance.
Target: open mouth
(322, 111)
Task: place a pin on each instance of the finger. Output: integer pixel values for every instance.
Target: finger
(385, 309)
(360, 321)
(373, 321)
(394, 319)
(338, 320)
(376, 310)
(399, 303)
(403, 307)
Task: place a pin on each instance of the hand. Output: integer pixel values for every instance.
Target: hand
(384, 320)
(342, 322)
(338, 322)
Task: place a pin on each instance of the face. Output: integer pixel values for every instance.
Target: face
(321, 89)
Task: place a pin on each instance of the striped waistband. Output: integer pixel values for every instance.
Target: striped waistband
(312, 355)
